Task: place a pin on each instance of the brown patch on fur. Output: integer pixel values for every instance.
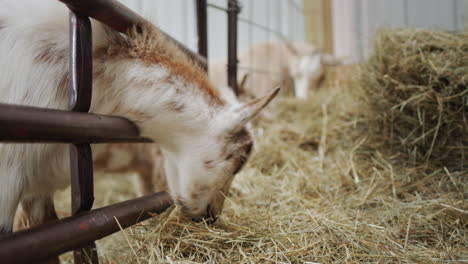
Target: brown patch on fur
(243, 143)
(64, 82)
(98, 73)
(49, 54)
(117, 106)
(320, 81)
(100, 162)
(176, 107)
(169, 80)
(201, 188)
(195, 195)
(43, 57)
(239, 163)
(141, 162)
(146, 161)
(144, 83)
(101, 79)
(63, 87)
(26, 218)
(208, 164)
(137, 116)
(132, 114)
(152, 47)
(100, 53)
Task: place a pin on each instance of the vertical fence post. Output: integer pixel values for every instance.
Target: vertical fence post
(233, 11)
(81, 162)
(202, 29)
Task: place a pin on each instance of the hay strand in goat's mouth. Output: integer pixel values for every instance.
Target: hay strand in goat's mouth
(356, 174)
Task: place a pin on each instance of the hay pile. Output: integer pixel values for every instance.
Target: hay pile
(321, 188)
(416, 84)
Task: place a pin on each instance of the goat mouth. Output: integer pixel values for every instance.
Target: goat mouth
(210, 217)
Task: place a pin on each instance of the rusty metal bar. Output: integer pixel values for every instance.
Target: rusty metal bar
(120, 18)
(233, 11)
(202, 28)
(26, 124)
(49, 240)
(81, 158)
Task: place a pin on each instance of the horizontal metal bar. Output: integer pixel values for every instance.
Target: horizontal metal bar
(262, 27)
(26, 124)
(217, 7)
(297, 7)
(49, 240)
(121, 18)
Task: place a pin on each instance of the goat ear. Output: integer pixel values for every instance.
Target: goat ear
(245, 112)
(241, 86)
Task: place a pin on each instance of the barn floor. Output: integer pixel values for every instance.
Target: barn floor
(314, 192)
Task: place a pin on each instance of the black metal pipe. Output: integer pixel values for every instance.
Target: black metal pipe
(233, 11)
(82, 194)
(43, 242)
(81, 63)
(26, 124)
(121, 18)
(81, 158)
(202, 28)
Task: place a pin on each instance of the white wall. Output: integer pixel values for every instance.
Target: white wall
(177, 17)
(355, 21)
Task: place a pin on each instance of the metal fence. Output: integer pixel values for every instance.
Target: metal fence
(80, 129)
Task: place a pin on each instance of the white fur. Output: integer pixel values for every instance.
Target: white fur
(187, 139)
(307, 70)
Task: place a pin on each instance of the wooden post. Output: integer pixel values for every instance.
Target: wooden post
(318, 24)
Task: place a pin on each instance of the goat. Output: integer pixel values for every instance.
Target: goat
(271, 64)
(144, 161)
(142, 77)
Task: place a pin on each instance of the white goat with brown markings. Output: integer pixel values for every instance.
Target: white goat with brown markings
(144, 78)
